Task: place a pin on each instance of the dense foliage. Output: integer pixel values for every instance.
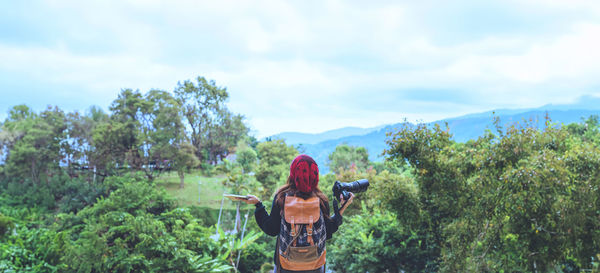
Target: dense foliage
(136, 228)
(78, 193)
(522, 200)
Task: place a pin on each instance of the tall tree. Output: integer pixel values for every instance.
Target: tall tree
(213, 130)
(165, 143)
(275, 158)
(146, 133)
(161, 128)
(224, 135)
(184, 160)
(34, 142)
(19, 121)
(79, 144)
(117, 141)
(110, 147)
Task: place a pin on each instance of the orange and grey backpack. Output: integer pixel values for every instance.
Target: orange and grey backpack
(302, 235)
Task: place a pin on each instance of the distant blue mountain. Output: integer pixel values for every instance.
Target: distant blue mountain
(587, 102)
(305, 138)
(472, 128)
(462, 128)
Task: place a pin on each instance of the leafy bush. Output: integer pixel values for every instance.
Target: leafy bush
(28, 246)
(30, 195)
(138, 229)
(254, 256)
(60, 192)
(375, 242)
(76, 195)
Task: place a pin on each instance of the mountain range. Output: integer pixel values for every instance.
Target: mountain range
(463, 128)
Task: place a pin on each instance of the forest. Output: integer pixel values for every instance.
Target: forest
(83, 192)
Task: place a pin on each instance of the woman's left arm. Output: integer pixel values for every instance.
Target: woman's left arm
(270, 224)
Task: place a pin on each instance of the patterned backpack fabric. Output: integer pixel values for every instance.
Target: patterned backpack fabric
(302, 235)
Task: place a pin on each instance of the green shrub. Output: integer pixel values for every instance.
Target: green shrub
(30, 247)
(30, 195)
(375, 242)
(138, 229)
(254, 256)
(76, 195)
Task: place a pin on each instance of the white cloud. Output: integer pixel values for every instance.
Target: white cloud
(310, 65)
(572, 57)
(93, 73)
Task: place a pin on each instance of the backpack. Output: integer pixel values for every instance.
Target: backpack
(302, 234)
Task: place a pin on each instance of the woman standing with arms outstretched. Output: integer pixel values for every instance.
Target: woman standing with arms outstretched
(300, 219)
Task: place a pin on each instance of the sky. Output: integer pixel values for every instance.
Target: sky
(305, 66)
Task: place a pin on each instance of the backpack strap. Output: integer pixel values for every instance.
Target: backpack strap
(297, 230)
(309, 231)
(293, 242)
(293, 225)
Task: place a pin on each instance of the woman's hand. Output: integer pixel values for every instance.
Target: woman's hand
(346, 204)
(252, 200)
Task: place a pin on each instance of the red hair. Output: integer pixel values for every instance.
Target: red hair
(303, 181)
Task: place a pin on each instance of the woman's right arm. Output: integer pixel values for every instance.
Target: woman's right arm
(335, 221)
(270, 224)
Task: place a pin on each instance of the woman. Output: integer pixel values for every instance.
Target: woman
(297, 194)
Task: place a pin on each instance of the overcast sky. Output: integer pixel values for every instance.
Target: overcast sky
(305, 66)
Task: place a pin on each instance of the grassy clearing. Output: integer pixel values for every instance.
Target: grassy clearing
(206, 194)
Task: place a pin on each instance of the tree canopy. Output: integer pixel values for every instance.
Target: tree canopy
(151, 132)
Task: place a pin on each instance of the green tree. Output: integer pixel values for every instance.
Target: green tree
(213, 129)
(110, 147)
(19, 121)
(184, 161)
(117, 142)
(588, 130)
(246, 157)
(147, 133)
(79, 145)
(441, 189)
(33, 143)
(162, 134)
(273, 169)
(344, 156)
(225, 135)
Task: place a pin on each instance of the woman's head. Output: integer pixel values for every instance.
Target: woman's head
(304, 173)
(304, 181)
